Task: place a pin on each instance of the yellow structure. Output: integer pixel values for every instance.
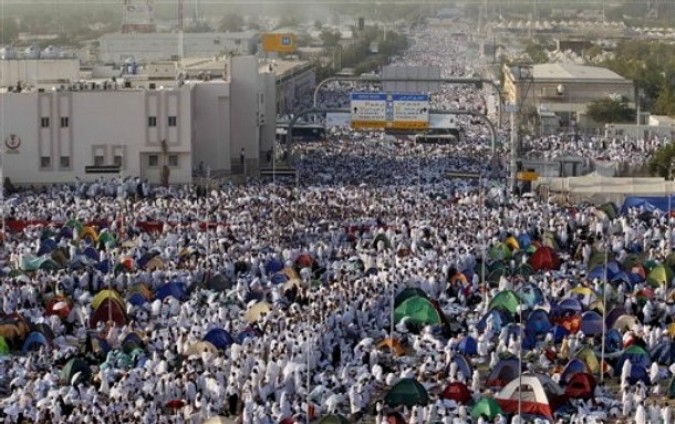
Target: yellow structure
(273, 42)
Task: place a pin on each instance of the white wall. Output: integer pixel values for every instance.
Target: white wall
(102, 122)
(211, 115)
(244, 86)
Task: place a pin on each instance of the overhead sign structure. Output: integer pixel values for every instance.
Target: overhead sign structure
(411, 111)
(369, 110)
(391, 111)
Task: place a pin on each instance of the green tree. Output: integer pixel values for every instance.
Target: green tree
(232, 22)
(663, 161)
(330, 38)
(609, 110)
(536, 52)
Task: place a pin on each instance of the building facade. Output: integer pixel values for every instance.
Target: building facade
(52, 136)
(38, 72)
(563, 89)
(118, 48)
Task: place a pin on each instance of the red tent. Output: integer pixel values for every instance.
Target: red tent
(545, 259)
(458, 392)
(395, 418)
(304, 261)
(109, 310)
(581, 386)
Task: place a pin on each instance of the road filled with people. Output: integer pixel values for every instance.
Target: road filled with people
(377, 289)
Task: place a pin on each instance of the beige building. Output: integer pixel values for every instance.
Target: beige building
(563, 89)
(52, 136)
(38, 72)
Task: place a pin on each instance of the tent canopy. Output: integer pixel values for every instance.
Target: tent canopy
(408, 392)
(507, 301)
(419, 310)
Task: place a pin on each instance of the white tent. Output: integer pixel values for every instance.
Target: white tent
(538, 395)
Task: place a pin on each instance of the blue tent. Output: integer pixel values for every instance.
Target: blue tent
(103, 266)
(34, 340)
(499, 319)
(65, 232)
(574, 366)
(463, 364)
(92, 254)
(273, 266)
(46, 247)
(613, 341)
(468, 346)
(538, 322)
(279, 278)
(637, 356)
(247, 333)
(591, 323)
(514, 330)
(570, 304)
(219, 338)
(524, 241)
(531, 295)
(648, 204)
(638, 373)
(664, 353)
(174, 289)
(137, 299)
(503, 373)
(559, 333)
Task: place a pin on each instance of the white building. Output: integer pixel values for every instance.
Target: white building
(38, 72)
(52, 136)
(119, 47)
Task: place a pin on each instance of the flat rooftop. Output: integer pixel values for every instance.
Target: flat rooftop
(568, 71)
(281, 67)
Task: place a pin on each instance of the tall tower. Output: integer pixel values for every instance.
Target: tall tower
(138, 16)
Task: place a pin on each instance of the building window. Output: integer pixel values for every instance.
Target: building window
(237, 42)
(65, 122)
(118, 157)
(152, 121)
(153, 160)
(45, 162)
(173, 161)
(65, 161)
(44, 122)
(99, 160)
(172, 121)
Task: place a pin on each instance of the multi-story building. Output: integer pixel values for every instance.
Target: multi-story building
(52, 136)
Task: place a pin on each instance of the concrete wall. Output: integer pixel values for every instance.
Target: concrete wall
(100, 123)
(38, 71)
(269, 107)
(244, 86)
(211, 115)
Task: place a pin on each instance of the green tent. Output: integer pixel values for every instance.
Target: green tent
(332, 419)
(4, 347)
(74, 366)
(408, 392)
(597, 259)
(106, 239)
(75, 225)
(525, 270)
(487, 407)
(500, 252)
(610, 209)
(407, 294)
(420, 311)
(507, 301)
(659, 276)
(495, 275)
(670, 261)
(41, 262)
